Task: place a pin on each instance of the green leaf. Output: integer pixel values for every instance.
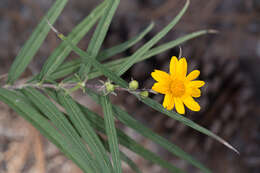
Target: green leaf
(86, 131)
(62, 51)
(111, 75)
(124, 46)
(156, 106)
(66, 69)
(146, 154)
(125, 118)
(111, 133)
(130, 163)
(35, 41)
(166, 46)
(141, 51)
(98, 37)
(124, 158)
(98, 123)
(22, 106)
(71, 67)
(62, 123)
(116, 64)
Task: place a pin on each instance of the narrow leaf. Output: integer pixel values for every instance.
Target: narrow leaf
(71, 67)
(107, 53)
(66, 69)
(19, 103)
(111, 133)
(62, 51)
(130, 162)
(141, 51)
(86, 131)
(111, 75)
(125, 118)
(156, 106)
(98, 123)
(60, 121)
(124, 158)
(166, 46)
(98, 37)
(35, 41)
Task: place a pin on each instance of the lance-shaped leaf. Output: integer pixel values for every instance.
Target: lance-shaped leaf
(131, 122)
(111, 133)
(107, 53)
(125, 118)
(72, 66)
(35, 41)
(86, 131)
(141, 51)
(128, 142)
(98, 123)
(62, 123)
(22, 106)
(123, 157)
(98, 37)
(62, 51)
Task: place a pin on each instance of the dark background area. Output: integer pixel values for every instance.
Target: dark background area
(228, 61)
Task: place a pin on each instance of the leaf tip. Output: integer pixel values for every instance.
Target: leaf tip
(212, 31)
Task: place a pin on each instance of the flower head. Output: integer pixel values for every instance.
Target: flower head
(178, 87)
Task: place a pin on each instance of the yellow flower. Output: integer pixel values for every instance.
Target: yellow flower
(178, 87)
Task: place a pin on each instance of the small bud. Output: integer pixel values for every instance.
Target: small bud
(144, 94)
(109, 87)
(133, 85)
(82, 84)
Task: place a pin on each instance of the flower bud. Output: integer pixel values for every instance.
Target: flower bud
(144, 94)
(133, 85)
(109, 87)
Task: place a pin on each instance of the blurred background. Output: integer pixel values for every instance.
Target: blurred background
(229, 63)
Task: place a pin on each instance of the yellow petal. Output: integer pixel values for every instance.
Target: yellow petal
(195, 92)
(161, 88)
(196, 84)
(182, 67)
(168, 102)
(191, 104)
(173, 65)
(160, 76)
(179, 105)
(193, 75)
(171, 103)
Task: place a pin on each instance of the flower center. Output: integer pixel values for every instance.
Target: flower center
(177, 88)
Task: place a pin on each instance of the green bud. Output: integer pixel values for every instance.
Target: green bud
(81, 84)
(144, 94)
(133, 85)
(109, 87)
